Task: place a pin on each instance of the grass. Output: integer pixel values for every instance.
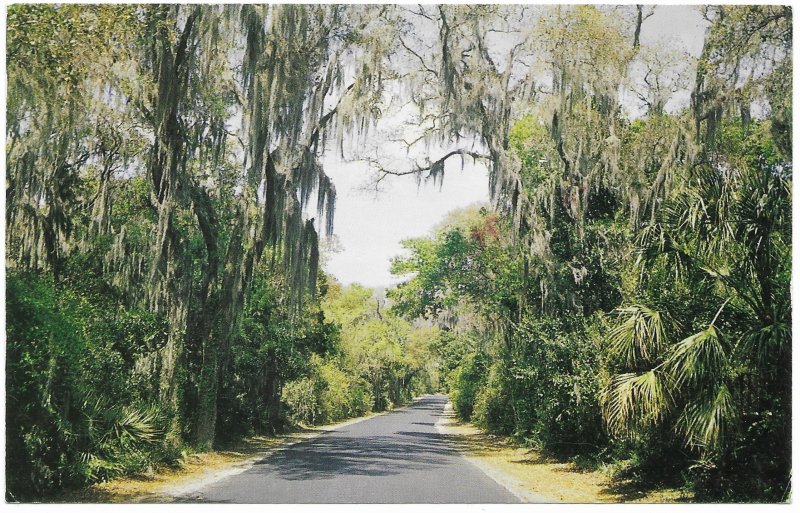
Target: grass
(166, 483)
(538, 476)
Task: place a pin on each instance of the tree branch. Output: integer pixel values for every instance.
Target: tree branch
(324, 120)
(421, 169)
(418, 56)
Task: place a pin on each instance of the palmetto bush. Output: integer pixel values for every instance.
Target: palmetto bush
(720, 375)
(118, 439)
(68, 421)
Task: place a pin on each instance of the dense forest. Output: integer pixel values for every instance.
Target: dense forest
(624, 297)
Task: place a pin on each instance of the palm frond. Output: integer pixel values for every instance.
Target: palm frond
(697, 360)
(655, 243)
(762, 206)
(114, 425)
(633, 400)
(705, 422)
(641, 335)
(764, 344)
(137, 426)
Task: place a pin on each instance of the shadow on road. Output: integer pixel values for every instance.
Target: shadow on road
(373, 456)
(344, 452)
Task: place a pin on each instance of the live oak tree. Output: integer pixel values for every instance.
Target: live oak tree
(626, 289)
(211, 120)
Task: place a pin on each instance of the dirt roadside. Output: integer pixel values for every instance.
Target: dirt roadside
(533, 477)
(169, 483)
(528, 474)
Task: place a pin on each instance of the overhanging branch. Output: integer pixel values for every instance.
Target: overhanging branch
(421, 169)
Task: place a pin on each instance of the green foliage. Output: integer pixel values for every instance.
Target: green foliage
(451, 349)
(273, 347)
(381, 348)
(121, 439)
(556, 367)
(492, 406)
(467, 259)
(328, 394)
(531, 142)
(77, 410)
(303, 399)
(725, 237)
(465, 383)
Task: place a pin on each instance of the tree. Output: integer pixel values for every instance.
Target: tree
(720, 368)
(159, 108)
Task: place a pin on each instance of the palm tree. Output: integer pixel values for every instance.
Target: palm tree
(724, 237)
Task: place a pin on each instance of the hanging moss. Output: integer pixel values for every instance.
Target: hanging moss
(148, 132)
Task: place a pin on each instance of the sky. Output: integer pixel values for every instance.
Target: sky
(369, 226)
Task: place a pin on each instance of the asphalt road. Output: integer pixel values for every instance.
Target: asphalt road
(398, 457)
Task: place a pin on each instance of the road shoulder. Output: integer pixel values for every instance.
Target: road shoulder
(195, 471)
(534, 478)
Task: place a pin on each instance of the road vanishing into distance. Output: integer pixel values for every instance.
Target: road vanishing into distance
(398, 457)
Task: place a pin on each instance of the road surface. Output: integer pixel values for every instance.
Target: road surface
(398, 457)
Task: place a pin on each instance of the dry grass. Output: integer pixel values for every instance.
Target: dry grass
(531, 473)
(164, 483)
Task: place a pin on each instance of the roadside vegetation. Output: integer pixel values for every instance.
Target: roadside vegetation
(82, 400)
(623, 300)
(638, 310)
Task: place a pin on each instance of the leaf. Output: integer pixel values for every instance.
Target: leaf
(640, 336)
(634, 400)
(698, 360)
(706, 421)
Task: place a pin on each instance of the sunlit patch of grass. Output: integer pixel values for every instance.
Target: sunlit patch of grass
(556, 479)
(158, 483)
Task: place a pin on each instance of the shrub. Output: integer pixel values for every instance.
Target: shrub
(493, 406)
(555, 365)
(327, 394)
(302, 399)
(466, 381)
(72, 417)
(343, 395)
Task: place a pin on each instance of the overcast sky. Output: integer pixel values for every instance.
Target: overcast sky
(369, 227)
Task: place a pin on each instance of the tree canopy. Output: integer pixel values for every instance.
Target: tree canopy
(625, 294)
